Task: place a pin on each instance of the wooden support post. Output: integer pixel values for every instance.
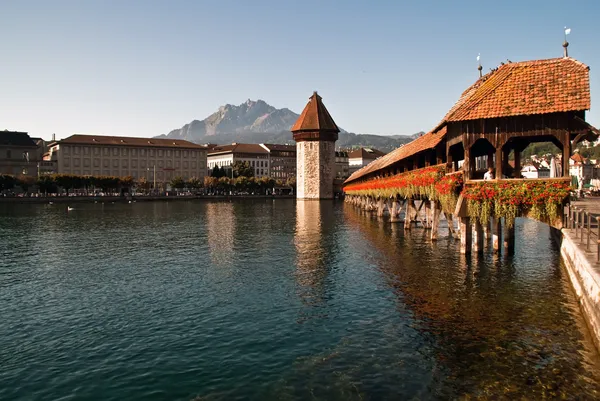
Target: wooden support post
(509, 239)
(428, 215)
(450, 221)
(517, 172)
(467, 165)
(466, 239)
(499, 165)
(487, 232)
(478, 237)
(496, 233)
(414, 212)
(435, 211)
(394, 211)
(566, 154)
(408, 214)
(380, 207)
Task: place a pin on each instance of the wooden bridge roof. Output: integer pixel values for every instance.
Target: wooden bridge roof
(525, 88)
(521, 88)
(422, 143)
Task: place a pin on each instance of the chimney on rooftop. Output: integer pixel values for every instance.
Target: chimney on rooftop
(53, 137)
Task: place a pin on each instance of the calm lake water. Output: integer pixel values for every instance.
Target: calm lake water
(277, 300)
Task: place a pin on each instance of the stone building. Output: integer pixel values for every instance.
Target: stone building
(18, 154)
(155, 159)
(315, 134)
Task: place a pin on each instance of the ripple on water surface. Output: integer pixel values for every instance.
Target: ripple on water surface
(277, 300)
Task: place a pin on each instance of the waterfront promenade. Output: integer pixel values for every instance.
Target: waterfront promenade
(127, 198)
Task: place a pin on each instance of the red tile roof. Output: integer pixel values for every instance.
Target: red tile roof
(422, 143)
(524, 88)
(281, 148)
(238, 148)
(315, 117)
(366, 153)
(80, 139)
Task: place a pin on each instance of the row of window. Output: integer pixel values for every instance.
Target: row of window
(133, 163)
(227, 163)
(116, 151)
(160, 175)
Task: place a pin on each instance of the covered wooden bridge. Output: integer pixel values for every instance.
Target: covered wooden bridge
(490, 125)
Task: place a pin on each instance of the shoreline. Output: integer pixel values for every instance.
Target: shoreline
(125, 199)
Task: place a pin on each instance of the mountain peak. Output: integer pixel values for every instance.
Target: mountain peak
(252, 116)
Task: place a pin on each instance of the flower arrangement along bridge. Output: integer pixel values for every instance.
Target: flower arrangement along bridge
(493, 121)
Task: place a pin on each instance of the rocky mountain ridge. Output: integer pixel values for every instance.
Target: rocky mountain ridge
(259, 122)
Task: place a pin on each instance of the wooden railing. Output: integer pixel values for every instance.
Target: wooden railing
(585, 226)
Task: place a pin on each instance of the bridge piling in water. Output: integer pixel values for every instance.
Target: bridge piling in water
(450, 221)
(509, 239)
(466, 235)
(395, 211)
(380, 207)
(435, 221)
(478, 237)
(496, 233)
(408, 213)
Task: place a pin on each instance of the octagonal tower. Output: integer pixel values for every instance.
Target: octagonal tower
(315, 134)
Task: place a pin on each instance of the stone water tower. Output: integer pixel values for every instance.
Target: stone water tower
(315, 134)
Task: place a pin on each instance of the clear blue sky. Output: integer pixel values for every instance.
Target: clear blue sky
(142, 68)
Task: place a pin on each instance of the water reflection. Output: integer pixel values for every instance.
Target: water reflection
(500, 326)
(312, 250)
(220, 227)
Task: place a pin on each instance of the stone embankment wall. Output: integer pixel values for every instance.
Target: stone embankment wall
(585, 278)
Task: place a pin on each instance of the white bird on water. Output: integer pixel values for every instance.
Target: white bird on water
(69, 208)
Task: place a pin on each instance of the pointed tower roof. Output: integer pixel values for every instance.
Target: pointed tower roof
(315, 117)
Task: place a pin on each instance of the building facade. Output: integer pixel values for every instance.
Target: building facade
(282, 161)
(359, 158)
(315, 134)
(342, 167)
(156, 160)
(18, 154)
(226, 155)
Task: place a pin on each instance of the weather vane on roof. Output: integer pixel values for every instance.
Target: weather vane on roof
(566, 44)
(479, 67)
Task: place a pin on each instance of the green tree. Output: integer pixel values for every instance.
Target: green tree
(241, 183)
(7, 182)
(194, 182)
(143, 184)
(64, 181)
(291, 182)
(46, 184)
(242, 169)
(210, 182)
(26, 182)
(224, 183)
(126, 182)
(177, 183)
